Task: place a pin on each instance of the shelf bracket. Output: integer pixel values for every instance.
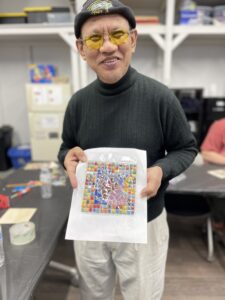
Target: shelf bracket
(178, 40)
(158, 39)
(69, 39)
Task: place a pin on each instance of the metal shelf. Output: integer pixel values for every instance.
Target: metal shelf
(35, 29)
(199, 30)
(43, 29)
(182, 32)
(146, 29)
(168, 37)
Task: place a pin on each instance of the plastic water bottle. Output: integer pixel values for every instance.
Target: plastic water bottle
(2, 254)
(46, 179)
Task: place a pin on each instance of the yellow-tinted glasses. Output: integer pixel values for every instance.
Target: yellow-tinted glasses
(96, 40)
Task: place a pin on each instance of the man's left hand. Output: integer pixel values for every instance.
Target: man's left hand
(154, 179)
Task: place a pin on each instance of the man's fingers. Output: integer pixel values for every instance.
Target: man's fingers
(78, 154)
(148, 192)
(72, 176)
(151, 189)
(72, 158)
(154, 177)
(144, 193)
(73, 181)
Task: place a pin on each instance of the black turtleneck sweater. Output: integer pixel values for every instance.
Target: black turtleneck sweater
(136, 112)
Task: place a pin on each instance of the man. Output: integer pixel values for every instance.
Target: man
(213, 151)
(123, 108)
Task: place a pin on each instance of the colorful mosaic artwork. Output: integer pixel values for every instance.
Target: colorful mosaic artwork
(110, 188)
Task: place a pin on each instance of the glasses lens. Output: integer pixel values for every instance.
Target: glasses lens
(119, 37)
(94, 41)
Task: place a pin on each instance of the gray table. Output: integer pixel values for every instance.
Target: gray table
(199, 182)
(25, 264)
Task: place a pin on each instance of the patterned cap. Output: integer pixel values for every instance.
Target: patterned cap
(102, 7)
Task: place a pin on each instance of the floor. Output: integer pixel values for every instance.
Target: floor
(189, 276)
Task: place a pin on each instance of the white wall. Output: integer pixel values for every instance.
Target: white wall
(148, 58)
(13, 75)
(200, 62)
(15, 57)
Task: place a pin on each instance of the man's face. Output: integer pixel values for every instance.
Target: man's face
(110, 61)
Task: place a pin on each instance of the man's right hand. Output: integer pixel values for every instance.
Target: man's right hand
(71, 161)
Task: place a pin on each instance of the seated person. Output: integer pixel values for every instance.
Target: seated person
(213, 151)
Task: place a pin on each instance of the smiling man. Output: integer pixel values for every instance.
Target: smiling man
(110, 62)
(125, 109)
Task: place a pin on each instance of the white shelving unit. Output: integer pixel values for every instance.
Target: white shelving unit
(65, 32)
(182, 32)
(165, 38)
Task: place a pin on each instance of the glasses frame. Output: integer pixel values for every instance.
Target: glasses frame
(84, 40)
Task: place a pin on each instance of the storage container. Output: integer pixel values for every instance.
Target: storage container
(37, 14)
(45, 134)
(6, 133)
(188, 17)
(52, 97)
(187, 5)
(19, 156)
(47, 14)
(219, 14)
(13, 18)
(147, 19)
(59, 15)
(204, 15)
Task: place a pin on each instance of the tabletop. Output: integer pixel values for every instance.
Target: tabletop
(25, 264)
(197, 180)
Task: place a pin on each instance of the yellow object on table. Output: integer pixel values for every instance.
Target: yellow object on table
(17, 215)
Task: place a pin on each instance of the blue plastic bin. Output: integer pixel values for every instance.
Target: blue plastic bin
(19, 156)
(188, 17)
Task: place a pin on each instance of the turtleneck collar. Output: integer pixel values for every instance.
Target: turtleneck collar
(120, 86)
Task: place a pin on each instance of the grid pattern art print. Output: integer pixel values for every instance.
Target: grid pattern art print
(110, 188)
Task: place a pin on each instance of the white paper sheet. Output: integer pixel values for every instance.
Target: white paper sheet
(219, 173)
(111, 227)
(17, 215)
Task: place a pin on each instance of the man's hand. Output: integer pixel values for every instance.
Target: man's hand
(71, 161)
(154, 179)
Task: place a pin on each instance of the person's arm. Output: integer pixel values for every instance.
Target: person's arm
(179, 144)
(213, 157)
(69, 153)
(213, 143)
(71, 161)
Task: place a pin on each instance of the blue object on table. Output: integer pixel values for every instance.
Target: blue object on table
(19, 156)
